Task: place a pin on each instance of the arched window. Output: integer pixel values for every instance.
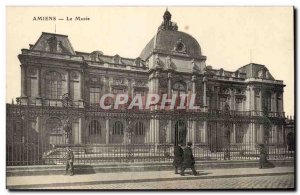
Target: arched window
(53, 85)
(94, 128)
(54, 126)
(117, 128)
(139, 129)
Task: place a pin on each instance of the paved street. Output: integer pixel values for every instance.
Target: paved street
(278, 177)
(282, 181)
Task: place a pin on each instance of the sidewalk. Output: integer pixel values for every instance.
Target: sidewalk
(23, 182)
(135, 167)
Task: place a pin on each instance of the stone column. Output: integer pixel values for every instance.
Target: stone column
(130, 88)
(275, 102)
(233, 134)
(260, 100)
(232, 98)
(69, 83)
(39, 87)
(81, 83)
(282, 105)
(188, 133)
(204, 93)
(204, 133)
(80, 124)
(194, 133)
(39, 83)
(153, 85)
(152, 131)
(107, 131)
(277, 135)
(125, 133)
(169, 132)
(23, 81)
(169, 84)
(252, 99)
(261, 133)
(156, 134)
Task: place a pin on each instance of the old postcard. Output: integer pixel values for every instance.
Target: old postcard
(150, 98)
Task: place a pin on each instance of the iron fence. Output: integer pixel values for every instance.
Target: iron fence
(31, 154)
(27, 144)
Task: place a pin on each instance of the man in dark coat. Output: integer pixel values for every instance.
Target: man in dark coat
(263, 160)
(69, 161)
(178, 157)
(188, 160)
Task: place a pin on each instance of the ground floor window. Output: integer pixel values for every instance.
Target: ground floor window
(55, 131)
(117, 132)
(139, 133)
(94, 132)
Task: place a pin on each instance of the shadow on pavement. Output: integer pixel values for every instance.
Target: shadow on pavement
(83, 170)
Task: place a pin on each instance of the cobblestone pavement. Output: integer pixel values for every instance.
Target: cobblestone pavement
(277, 181)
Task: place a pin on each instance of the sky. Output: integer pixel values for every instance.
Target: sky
(230, 37)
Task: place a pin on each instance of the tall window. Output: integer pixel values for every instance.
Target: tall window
(222, 103)
(267, 102)
(257, 101)
(139, 129)
(53, 85)
(95, 93)
(117, 128)
(55, 131)
(279, 102)
(94, 128)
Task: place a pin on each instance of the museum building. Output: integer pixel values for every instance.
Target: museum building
(62, 87)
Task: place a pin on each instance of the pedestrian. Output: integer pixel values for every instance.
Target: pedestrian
(178, 157)
(188, 160)
(262, 156)
(69, 161)
(263, 161)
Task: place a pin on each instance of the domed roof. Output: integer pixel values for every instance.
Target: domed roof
(170, 41)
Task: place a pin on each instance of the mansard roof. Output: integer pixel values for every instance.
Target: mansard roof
(60, 42)
(254, 70)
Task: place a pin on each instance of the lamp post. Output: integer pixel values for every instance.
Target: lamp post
(130, 135)
(67, 103)
(267, 124)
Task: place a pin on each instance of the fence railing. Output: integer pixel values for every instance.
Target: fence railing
(22, 154)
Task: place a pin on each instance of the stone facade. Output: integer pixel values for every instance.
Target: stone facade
(237, 107)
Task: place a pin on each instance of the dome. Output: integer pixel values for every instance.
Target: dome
(170, 41)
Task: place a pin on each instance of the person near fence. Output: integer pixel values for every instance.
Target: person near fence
(178, 157)
(263, 161)
(69, 161)
(188, 159)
